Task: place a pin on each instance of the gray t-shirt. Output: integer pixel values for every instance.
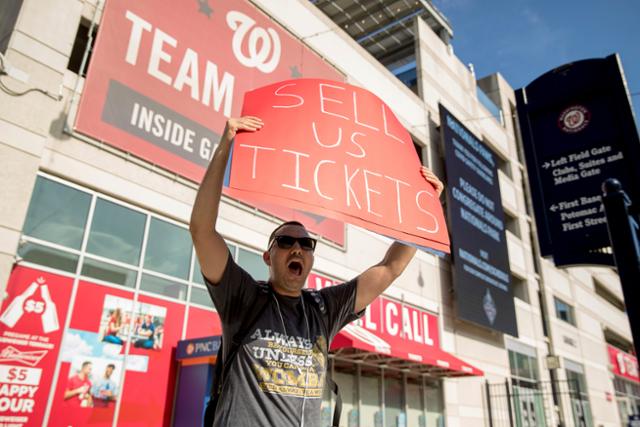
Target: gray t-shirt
(282, 362)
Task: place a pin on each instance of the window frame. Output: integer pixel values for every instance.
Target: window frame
(571, 320)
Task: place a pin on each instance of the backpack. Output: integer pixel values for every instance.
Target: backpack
(222, 366)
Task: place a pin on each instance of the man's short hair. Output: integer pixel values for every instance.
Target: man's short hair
(112, 366)
(85, 363)
(284, 224)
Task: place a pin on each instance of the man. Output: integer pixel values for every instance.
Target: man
(77, 392)
(105, 389)
(146, 331)
(277, 376)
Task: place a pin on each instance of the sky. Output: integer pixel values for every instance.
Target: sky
(522, 39)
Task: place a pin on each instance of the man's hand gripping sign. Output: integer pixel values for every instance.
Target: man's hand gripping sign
(337, 150)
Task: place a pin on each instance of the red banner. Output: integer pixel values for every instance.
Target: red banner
(31, 325)
(393, 321)
(623, 364)
(337, 150)
(165, 76)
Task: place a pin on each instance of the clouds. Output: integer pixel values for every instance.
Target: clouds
(75, 345)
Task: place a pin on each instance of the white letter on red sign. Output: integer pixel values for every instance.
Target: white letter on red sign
(324, 98)
(160, 38)
(255, 156)
(138, 26)
(436, 226)
(392, 326)
(298, 97)
(316, 180)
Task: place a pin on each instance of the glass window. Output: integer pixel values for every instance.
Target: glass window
(523, 366)
(393, 402)
(201, 296)
(8, 18)
(564, 311)
(48, 257)
(57, 213)
(579, 398)
(197, 272)
(253, 264)
(370, 403)
(415, 415)
(168, 249)
(435, 404)
(109, 273)
(349, 394)
(164, 287)
(116, 232)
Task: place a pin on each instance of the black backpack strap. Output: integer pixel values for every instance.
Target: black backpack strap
(338, 408)
(317, 298)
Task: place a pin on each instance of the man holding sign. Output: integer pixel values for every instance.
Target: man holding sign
(278, 374)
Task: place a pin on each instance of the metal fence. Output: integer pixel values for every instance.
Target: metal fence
(540, 404)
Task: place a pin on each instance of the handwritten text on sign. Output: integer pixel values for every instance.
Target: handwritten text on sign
(335, 147)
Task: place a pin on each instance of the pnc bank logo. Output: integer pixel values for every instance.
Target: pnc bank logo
(253, 46)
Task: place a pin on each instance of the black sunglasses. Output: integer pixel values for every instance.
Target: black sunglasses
(287, 242)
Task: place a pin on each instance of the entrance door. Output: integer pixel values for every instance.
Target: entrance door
(528, 407)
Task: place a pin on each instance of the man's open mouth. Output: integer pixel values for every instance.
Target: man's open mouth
(295, 267)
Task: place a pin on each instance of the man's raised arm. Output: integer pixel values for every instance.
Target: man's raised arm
(376, 279)
(210, 246)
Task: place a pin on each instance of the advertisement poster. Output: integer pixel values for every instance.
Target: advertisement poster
(325, 148)
(159, 88)
(96, 373)
(623, 364)
(481, 272)
(31, 321)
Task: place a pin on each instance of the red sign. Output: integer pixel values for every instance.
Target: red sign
(337, 150)
(165, 76)
(623, 364)
(393, 322)
(398, 330)
(31, 323)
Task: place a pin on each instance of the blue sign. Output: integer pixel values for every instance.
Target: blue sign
(198, 347)
(577, 130)
(481, 274)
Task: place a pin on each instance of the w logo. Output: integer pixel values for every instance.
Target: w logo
(262, 46)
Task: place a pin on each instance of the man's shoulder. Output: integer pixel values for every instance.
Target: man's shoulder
(316, 298)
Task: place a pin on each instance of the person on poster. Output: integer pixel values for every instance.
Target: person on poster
(146, 330)
(77, 393)
(105, 389)
(278, 375)
(114, 326)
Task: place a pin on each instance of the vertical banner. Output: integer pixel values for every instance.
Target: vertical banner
(578, 130)
(481, 273)
(164, 77)
(31, 326)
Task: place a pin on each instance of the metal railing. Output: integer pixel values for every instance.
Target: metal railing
(516, 403)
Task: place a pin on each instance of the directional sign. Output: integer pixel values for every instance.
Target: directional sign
(577, 130)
